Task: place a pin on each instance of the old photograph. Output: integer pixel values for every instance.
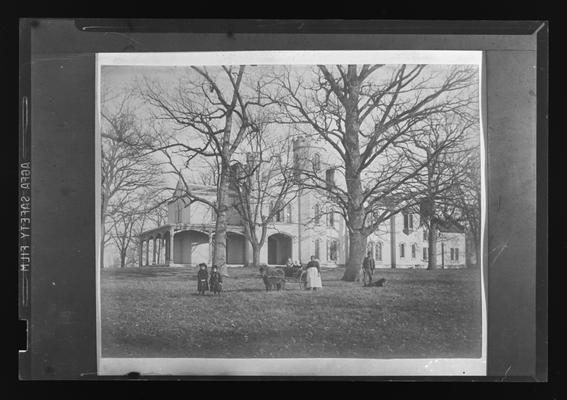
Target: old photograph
(294, 213)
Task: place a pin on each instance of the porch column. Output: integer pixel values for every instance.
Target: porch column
(166, 249)
(170, 247)
(140, 252)
(159, 259)
(154, 251)
(147, 252)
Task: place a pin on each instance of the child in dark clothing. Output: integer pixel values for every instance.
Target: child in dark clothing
(215, 281)
(202, 279)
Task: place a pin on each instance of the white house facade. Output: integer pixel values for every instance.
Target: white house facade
(303, 229)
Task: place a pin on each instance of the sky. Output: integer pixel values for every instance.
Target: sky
(117, 79)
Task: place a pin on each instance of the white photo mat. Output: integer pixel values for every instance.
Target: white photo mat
(295, 366)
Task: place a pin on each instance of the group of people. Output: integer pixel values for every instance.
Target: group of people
(313, 280)
(206, 282)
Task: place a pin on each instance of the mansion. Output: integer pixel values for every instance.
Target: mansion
(298, 232)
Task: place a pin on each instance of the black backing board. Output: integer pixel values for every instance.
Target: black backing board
(61, 86)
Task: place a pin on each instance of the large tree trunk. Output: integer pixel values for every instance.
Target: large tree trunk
(357, 247)
(123, 259)
(432, 243)
(256, 255)
(357, 240)
(219, 253)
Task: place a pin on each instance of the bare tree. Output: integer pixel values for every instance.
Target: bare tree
(142, 211)
(126, 168)
(212, 112)
(367, 115)
(467, 199)
(444, 147)
(264, 186)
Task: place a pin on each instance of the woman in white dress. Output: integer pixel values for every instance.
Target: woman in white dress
(313, 275)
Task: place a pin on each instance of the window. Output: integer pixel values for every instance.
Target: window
(413, 250)
(379, 251)
(406, 222)
(333, 250)
(456, 254)
(425, 249)
(317, 248)
(330, 177)
(289, 213)
(278, 216)
(332, 218)
(316, 162)
(402, 250)
(317, 213)
(452, 254)
(411, 221)
(178, 212)
(425, 238)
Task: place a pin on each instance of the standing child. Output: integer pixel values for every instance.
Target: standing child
(202, 279)
(215, 280)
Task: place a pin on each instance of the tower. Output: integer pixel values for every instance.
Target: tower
(306, 159)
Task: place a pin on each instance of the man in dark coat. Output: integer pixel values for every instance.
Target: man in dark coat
(368, 266)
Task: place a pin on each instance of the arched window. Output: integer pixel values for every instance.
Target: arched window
(316, 162)
(402, 250)
(378, 250)
(289, 213)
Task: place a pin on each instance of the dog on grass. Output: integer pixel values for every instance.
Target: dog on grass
(274, 278)
(273, 282)
(379, 283)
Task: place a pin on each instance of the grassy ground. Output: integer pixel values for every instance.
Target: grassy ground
(156, 312)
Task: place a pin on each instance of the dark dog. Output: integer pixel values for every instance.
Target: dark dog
(273, 282)
(378, 283)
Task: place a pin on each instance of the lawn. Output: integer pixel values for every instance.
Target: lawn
(156, 312)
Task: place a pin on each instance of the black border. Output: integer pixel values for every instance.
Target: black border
(230, 27)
